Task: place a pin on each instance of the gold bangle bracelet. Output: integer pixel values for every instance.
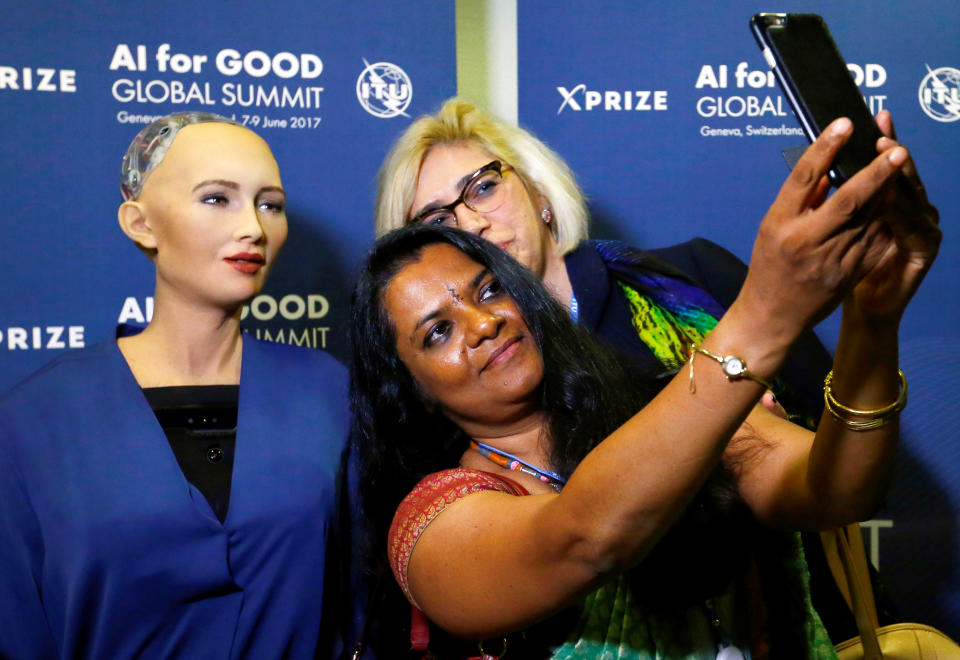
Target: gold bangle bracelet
(872, 419)
(734, 367)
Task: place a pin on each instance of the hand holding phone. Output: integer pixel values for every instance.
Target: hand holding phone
(816, 82)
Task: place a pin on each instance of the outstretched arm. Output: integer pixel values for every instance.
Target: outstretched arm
(492, 563)
(840, 476)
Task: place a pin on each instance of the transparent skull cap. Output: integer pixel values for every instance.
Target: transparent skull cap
(151, 144)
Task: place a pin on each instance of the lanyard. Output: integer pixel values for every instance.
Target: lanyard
(511, 462)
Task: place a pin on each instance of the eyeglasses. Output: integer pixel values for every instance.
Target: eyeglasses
(483, 192)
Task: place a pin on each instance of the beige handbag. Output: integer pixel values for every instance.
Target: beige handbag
(847, 559)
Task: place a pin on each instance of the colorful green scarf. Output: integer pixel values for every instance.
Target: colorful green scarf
(613, 626)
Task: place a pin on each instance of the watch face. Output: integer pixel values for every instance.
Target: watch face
(733, 366)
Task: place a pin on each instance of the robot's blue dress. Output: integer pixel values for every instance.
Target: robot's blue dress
(107, 552)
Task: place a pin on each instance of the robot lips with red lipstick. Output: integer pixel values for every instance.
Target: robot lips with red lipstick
(246, 262)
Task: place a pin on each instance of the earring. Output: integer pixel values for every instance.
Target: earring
(546, 216)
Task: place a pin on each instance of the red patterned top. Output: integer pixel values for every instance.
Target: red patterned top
(433, 494)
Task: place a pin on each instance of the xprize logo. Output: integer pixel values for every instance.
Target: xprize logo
(384, 89)
(36, 338)
(939, 94)
(39, 79)
(611, 99)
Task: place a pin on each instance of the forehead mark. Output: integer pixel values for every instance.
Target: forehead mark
(453, 294)
(432, 314)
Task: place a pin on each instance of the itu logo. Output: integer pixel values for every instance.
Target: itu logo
(384, 90)
(940, 93)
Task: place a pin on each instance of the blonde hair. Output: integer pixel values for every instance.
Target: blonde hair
(458, 121)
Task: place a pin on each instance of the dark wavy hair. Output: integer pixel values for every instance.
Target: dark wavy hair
(396, 437)
(586, 393)
(397, 440)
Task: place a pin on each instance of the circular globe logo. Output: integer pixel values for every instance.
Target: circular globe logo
(384, 89)
(940, 94)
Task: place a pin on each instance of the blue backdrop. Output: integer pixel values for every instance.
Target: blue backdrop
(664, 110)
(328, 86)
(668, 116)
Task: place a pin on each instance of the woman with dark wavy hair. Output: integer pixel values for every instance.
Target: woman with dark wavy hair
(521, 497)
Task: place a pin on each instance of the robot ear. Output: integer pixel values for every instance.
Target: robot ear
(134, 222)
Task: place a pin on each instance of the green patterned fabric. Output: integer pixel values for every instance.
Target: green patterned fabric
(668, 334)
(614, 627)
(612, 624)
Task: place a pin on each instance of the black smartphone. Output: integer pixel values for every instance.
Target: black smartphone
(814, 77)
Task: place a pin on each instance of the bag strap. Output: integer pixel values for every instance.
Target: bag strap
(846, 544)
(828, 539)
(857, 554)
